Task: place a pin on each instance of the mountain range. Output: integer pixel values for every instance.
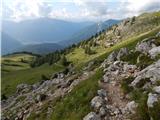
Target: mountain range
(45, 30)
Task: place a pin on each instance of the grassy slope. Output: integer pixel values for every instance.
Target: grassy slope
(12, 79)
(79, 58)
(76, 104)
(13, 62)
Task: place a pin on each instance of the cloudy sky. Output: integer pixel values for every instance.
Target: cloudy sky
(76, 10)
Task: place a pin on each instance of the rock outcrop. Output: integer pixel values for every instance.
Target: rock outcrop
(120, 75)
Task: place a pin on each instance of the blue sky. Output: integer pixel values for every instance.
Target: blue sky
(76, 10)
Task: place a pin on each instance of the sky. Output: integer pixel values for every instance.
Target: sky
(76, 10)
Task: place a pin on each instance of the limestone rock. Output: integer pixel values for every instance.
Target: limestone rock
(154, 52)
(152, 72)
(157, 89)
(102, 111)
(102, 93)
(145, 45)
(152, 98)
(97, 102)
(92, 116)
(131, 106)
(112, 57)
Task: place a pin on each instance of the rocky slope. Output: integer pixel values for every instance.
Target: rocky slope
(117, 99)
(129, 88)
(30, 98)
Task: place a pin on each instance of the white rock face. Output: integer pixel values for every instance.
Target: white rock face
(112, 57)
(145, 45)
(91, 116)
(154, 52)
(102, 111)
(131, 106)
(157, 89)
(97, 102)
(152, 98)
(152, 72)
(102, 93)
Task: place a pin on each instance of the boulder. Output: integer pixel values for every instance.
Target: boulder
(154, 52)
(106, 77)
(102, 111)
(97, 102)
(129, 68)
(102, 93)
(157, 89)
(92, 116)
(152, 98)
(112, 57)
(151, 72)
(145, 45)
(131, 106)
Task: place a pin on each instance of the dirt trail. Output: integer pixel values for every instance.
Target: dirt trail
(115, 94)
(116, 99)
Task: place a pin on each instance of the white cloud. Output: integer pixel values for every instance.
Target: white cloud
(62, 13)
(117, 8)
(136, 7)
(25, 9)
(86, 9)
(93, 8)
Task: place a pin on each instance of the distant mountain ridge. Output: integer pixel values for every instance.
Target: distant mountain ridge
(42, 48)
(42, 30)
(89, 31)
(38, 34)
(8, 44)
